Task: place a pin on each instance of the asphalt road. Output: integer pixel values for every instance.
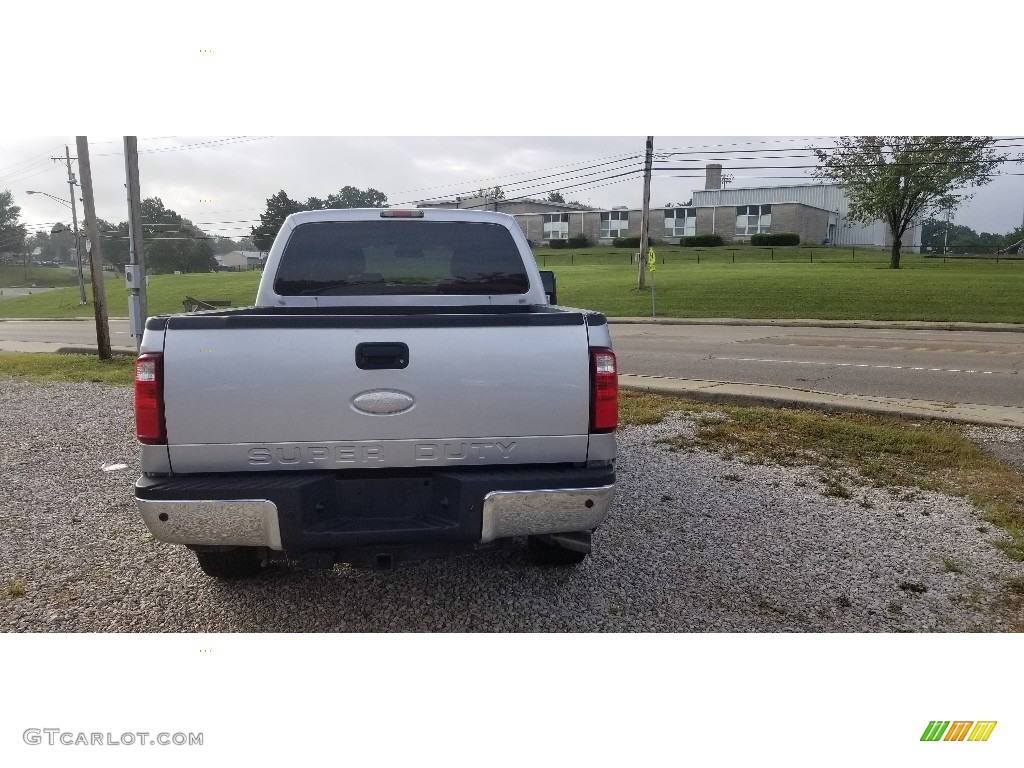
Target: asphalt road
(982, 367)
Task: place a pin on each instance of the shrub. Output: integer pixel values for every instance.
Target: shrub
(701, 241)
(775, 238)
(626, 242)
(558, 244)
(578, 241)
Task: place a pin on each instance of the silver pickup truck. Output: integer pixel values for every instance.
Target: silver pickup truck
(402, 389)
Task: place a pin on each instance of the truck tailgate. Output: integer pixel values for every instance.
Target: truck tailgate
(303, 392)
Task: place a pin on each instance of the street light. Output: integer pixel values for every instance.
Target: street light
(62, 228)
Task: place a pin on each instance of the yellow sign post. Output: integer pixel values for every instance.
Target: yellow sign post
(652, 261)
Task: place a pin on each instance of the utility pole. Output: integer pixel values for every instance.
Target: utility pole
(74, 224)
(645, 216)
(99, 297)
(135, 274)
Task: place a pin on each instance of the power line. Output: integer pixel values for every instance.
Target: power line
(199, 145)
(612, 158)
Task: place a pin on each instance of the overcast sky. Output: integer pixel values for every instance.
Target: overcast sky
(222, 182)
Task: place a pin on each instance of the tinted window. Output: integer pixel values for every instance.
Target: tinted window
(358, 258)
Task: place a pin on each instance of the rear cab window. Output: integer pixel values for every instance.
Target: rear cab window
(400, 257)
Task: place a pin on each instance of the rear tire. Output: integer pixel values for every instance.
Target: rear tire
(238, 563)
(543, 551)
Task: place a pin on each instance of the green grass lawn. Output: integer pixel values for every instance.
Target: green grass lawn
(45, 366)
(839, 284)
(166, 293)
(16, 276)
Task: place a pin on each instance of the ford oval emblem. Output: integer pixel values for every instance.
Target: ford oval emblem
(383, 402)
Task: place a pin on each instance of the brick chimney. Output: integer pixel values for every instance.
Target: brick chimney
(713, 178)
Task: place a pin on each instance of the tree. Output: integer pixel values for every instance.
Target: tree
(491, 193)
(1013, 242)
(173, 243)
(116, 245)
(12, 232)
(350, 197)
(556, 197)
(280, 207)
(42, 241)
(904, 179)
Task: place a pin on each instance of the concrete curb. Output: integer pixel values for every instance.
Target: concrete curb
(731, 393)
(907, 325)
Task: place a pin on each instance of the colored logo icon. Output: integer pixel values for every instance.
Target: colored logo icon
(958, 730)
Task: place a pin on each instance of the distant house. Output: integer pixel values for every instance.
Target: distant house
(240, 261)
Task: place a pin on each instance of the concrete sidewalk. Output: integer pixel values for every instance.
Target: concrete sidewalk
(771, 395)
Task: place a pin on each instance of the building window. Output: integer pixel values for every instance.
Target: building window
(556, 226)
(753, 219)
(615, 224)
(680, 222)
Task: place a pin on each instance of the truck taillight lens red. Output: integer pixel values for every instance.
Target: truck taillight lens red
(149, 400)
(604, 390)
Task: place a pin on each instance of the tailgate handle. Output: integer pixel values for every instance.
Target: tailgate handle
(375, 356)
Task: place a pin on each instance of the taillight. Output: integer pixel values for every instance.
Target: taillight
(149, 400)
(604, 390)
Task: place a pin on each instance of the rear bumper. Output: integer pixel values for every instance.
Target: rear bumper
(354, 517)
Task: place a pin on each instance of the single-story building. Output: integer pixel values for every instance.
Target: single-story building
(239, 261)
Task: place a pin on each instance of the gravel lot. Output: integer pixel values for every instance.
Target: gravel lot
(694, 543)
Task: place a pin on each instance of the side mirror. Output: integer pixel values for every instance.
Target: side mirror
(547, 279)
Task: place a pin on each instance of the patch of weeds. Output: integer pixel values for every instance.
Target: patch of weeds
(800, 483)
(147, 538)
(844, 601)
(47, 565)
(1016, 585)
(926, 512)
(894, 607)
(864, 502)
(637, 408)
(835, 488)
(733, 478)
(16, 587)
(913, 587)
(115, 531)
(982, 529)
(951, 565)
